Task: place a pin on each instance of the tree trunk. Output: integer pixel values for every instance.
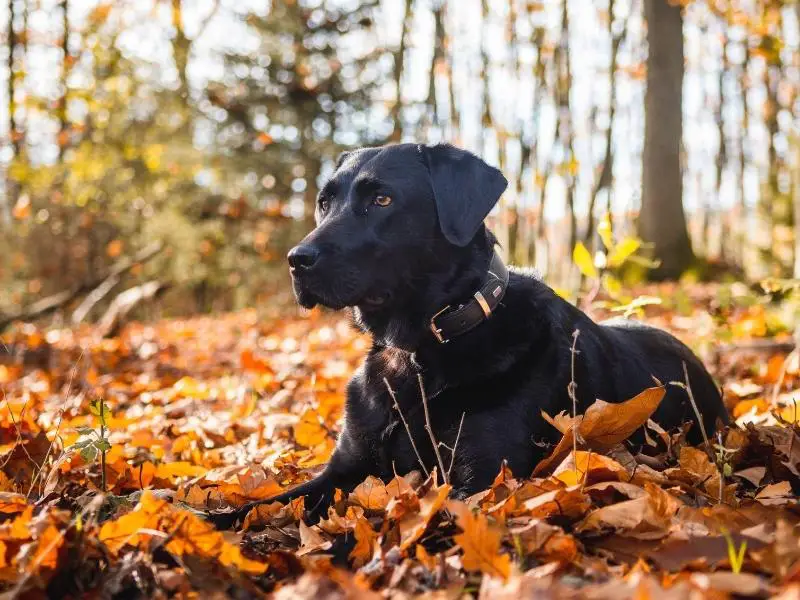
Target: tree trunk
(662, 221)
(399, 65)
(9, 192)
(63, 124)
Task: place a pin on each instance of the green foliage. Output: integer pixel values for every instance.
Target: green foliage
(606, 270)
(736, 553)
(221, 175)
(94, 442)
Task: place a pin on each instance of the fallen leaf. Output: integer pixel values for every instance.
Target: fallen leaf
(604, 425)
(480, 542)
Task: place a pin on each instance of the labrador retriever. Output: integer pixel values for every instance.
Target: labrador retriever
(400, 242)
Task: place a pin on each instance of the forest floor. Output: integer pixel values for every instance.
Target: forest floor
(107, 446)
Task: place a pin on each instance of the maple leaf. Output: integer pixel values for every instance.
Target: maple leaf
(480, 542)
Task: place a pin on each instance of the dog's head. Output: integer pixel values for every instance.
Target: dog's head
(387, 218)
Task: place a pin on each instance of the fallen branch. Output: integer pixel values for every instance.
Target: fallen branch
(125, 302)
(50, 304)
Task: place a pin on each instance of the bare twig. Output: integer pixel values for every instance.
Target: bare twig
(429, 429)
(405, 424)
(455, 445)
(779, 384)
(709, 448)
(58, 426)
(572, 390)
(688, 388)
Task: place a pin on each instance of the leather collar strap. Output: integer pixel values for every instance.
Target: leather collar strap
(452, 322)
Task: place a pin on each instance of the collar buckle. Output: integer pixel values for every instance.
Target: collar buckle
(437, 333)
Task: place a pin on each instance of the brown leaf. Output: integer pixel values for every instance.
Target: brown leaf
(371, 494)
(647, 517)
(480, 542)
(311, 540)
(604, 425)
(366, 541)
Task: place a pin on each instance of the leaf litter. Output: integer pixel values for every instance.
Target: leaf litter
(214, 413)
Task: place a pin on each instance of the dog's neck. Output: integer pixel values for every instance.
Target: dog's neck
(406, 323)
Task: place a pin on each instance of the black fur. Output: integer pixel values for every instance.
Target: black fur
(397, 265)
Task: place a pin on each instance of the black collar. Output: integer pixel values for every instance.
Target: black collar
(451, 322)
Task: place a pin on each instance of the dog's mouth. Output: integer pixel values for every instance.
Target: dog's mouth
(310, 293)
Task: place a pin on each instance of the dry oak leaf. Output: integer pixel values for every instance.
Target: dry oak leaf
(480, 542)
(589, 468)
(647, 518)
(370, 494)
(184, 532)
(12, 503)
(336, 524)
(546, 542)
(311, 540)
(603, 426)
(275, 514)
(413, 511)
(571, 503)
(366, 539)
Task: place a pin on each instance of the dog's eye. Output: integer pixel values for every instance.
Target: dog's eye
(323, 204)
(382, 200)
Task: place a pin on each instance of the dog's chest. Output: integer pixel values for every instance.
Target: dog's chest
(395, 395)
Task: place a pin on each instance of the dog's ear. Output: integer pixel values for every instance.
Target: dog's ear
(342, 157)
(465, 189)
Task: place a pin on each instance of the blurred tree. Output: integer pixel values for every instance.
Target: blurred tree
(662, 220)
(302, 96)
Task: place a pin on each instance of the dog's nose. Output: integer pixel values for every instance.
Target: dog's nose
(303, 256)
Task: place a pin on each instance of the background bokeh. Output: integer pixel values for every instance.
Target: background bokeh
(181, 143)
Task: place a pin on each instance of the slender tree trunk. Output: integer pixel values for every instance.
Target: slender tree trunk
(10, 192)
(606, 177)
(437, 61)
(12, 45)
(722, 154)
(63, 125)
(564, 91)
(483, 79)
(662, 220)
(399, 66)
(742, 212)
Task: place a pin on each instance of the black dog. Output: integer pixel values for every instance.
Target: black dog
(400, 240)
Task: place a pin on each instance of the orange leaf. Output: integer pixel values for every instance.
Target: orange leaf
(371, 494)
(366, 538)
(179, 469)
(647, 518)
(12, 503)
(114, 248)
(480, 542)
(310, 431)
(604, 425)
